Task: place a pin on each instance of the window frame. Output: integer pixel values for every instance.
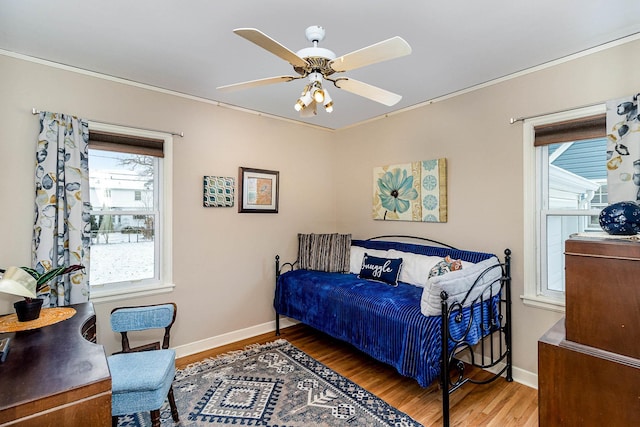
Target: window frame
(533, 295)
(163, 255)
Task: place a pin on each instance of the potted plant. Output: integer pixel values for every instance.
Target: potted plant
(16, 282)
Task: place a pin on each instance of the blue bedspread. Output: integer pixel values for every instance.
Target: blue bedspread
(383, 321)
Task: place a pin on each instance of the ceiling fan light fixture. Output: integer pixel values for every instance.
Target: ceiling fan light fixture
(318, 95)
(318, 64)
(317, 92)
(304, 100)
(329, 107)
(309, 111)
(328, 102)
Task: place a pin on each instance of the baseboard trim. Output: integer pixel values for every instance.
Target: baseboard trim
(231, 337)
(525, 377)
(521, 376)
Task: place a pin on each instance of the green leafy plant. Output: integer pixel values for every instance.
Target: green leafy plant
(43, 278)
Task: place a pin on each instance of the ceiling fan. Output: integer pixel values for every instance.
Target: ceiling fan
(316, 64)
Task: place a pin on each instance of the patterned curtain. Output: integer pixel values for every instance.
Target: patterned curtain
(623, 150)
(62, 230)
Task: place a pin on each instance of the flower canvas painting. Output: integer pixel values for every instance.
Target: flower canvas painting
(415, 191)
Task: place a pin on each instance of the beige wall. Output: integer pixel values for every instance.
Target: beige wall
(223, 260)
(484, 163)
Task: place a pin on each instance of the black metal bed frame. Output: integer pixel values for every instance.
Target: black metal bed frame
(494, 348)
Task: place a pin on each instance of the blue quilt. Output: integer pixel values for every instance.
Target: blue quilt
(381, 320)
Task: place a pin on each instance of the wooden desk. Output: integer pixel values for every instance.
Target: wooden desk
(55, 375)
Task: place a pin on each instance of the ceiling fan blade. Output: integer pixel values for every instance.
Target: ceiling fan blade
(394, 47)
(255, 83)
(267, 43)
(366, 90)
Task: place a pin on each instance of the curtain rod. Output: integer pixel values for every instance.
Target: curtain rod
(521, 119)
(35, 111)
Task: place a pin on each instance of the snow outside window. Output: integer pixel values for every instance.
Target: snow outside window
(130, 198)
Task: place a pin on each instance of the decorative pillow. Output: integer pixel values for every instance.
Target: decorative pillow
(458, 283)
(324, 252)
(357, 255)
(385, 270)
(415, 267)
(445, 266)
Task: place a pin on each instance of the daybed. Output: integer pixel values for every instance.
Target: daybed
(421, 326)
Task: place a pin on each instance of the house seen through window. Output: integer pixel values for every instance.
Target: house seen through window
(127, 194)
(573, 192)
(123, 220)
(565, 175)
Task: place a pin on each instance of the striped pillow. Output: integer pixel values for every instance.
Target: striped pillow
(324, 252)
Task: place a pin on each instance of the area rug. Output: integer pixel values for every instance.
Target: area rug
(273, 385)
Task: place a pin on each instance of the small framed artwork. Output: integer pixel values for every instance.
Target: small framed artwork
(258, 190)
(218, 191)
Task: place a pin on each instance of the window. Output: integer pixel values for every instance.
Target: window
(130, 195)
(565, 189)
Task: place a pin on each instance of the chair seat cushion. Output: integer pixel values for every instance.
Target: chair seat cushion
(140, 381)
(141, 371)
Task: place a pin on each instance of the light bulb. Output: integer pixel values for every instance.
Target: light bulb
(328, 102)
(303, 102)
(329, 107)
(318, 95)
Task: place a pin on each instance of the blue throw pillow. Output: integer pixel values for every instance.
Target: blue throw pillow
(385, 270)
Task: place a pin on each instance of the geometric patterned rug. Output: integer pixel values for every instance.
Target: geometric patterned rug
(273, 384)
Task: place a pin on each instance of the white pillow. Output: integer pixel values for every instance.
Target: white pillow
(457, 284)
(466, 264)
(357, 254)
(415, 267)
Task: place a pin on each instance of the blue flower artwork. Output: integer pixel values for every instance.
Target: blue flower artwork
(396, 190)
(413, 191)
(429, 182)
(430, 202)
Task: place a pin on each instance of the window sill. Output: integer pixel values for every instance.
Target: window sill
(106, 295)
(543, 302)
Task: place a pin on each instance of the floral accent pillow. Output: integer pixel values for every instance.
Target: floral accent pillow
(445, 266)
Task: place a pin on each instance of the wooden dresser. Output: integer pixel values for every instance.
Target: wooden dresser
(56, 375)
(589, 362)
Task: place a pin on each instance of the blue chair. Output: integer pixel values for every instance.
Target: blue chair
(141, 377)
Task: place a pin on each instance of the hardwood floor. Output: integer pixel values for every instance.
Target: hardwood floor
(499, 404)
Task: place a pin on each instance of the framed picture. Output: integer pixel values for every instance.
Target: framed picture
(218, 191)
(258, 190)
(415, 191)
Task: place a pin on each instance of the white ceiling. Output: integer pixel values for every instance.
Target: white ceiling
(189, 46)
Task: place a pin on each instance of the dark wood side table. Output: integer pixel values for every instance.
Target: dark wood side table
(589, 362)
(582, 386)
(56, 375)
(603, 294)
